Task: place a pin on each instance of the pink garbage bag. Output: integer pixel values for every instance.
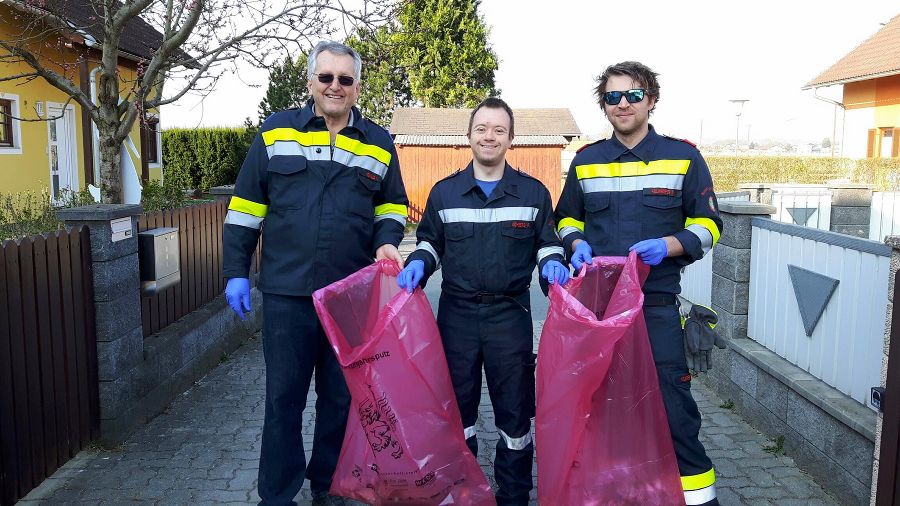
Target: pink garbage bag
(404, 442)
(601, 430)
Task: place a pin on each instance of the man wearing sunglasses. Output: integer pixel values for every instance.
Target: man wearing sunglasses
(323, 186)
(652, 194)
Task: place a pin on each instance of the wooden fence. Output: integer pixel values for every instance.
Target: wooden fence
(200, 262)
(49, 401)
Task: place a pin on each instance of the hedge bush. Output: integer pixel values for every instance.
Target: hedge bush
(203, 157)
(730, 171)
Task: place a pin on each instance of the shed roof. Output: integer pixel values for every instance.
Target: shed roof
(461, 140)
(877, 56)
(430, 121)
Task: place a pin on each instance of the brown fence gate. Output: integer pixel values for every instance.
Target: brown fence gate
(48, 357)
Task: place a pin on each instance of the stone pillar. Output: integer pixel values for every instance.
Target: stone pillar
(731, 266)
(759, 192)
(222, 192)
(851, 205)
(117, 307)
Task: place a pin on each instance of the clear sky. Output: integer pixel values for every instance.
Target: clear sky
(706, 52)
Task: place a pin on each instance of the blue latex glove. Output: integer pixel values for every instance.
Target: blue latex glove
(411, 275)
(583, 255)
(237, 293)
(651, 251)
(555, 272)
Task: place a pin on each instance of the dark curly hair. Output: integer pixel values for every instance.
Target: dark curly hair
(635, 70)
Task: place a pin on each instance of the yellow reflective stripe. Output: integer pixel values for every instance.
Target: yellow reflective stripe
(289, 134)
(622, 169)
(391, 209)
(698, 481)
(706, 223)
(248, 207)
(570, 222)
(362, 149)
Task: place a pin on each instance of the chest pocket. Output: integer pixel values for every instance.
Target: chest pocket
(663, 214)
(291, 184)
(361, 199)
(370, 181)
(596, 202)
(458, 257)
(458, 231)
(518, 229)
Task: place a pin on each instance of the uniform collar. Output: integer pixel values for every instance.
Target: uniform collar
(613, 149)
(308, 114)
(506, 185)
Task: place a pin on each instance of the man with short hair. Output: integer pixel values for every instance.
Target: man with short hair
(652, 194)
(323, 183)
(488, 226)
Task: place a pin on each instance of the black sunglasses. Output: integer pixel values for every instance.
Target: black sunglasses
(632, 96)
(329, 78)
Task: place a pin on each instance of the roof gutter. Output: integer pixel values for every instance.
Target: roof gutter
(866, 77)
(834, 118)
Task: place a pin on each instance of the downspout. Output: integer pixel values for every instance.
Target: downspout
(834, 120)
(95, 133)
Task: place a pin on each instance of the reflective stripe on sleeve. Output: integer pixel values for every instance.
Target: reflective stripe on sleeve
(549, 250)
(244, 220)
(426, 246)
(469, 432)
(568, 225)
(628, 184)
(494, 215)
(705, 229)
(630, 169)
(396, 212)
(516, 443)
(399, 218)
(248, 207)
(702, 496)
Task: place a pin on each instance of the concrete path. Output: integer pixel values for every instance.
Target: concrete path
(205, 448)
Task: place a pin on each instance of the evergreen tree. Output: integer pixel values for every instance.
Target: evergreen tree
(287, 87)
(385, 83)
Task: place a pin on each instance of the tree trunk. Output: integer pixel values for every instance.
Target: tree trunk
(110, 169)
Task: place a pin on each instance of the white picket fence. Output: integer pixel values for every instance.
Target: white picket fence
(884, 220)
(807, 205)
(845, 348)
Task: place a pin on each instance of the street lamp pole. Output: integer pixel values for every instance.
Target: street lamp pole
(739, 108)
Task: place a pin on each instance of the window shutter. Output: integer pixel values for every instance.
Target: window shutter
(870, 145)
(895, 143)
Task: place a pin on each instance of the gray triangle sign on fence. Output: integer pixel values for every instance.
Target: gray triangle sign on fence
(813, 292)
(801, 215)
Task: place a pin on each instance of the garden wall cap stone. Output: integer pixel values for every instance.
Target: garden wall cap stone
(837, 183)
(222, 190)
(733, 207)
(99, 212)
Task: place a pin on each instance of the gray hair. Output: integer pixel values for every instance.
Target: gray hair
(333, 48)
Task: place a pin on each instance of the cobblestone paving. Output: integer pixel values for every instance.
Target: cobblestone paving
(205, 448)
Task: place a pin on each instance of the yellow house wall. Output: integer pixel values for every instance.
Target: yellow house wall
(880, 96)
(30, 170)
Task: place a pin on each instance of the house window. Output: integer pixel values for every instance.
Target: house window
(151, 141)
(7, 140)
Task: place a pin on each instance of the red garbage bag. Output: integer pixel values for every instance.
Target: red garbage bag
(601, 430)
(404, 442)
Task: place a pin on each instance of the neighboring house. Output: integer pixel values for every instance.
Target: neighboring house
(61, 153)
(431, 144)
(870, 76)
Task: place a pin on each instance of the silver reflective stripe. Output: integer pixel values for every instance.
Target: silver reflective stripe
(517, 443)
(629, 184)
(706, 238)
(426, 246)
(549, 250)
(364, 162)
(399, 218)
(291, 148)
(495, 215)
(243, 219)
(701, 496)
(568, 230)
(469, 432)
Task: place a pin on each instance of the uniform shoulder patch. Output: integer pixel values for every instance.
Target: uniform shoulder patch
(523, 173)
(582, 148)
(680, 140)
(454, 174)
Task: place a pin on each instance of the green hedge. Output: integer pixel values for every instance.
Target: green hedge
(730, 171)
(203, 157)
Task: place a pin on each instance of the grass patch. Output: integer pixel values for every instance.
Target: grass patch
(777, 446)
(729, 405)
